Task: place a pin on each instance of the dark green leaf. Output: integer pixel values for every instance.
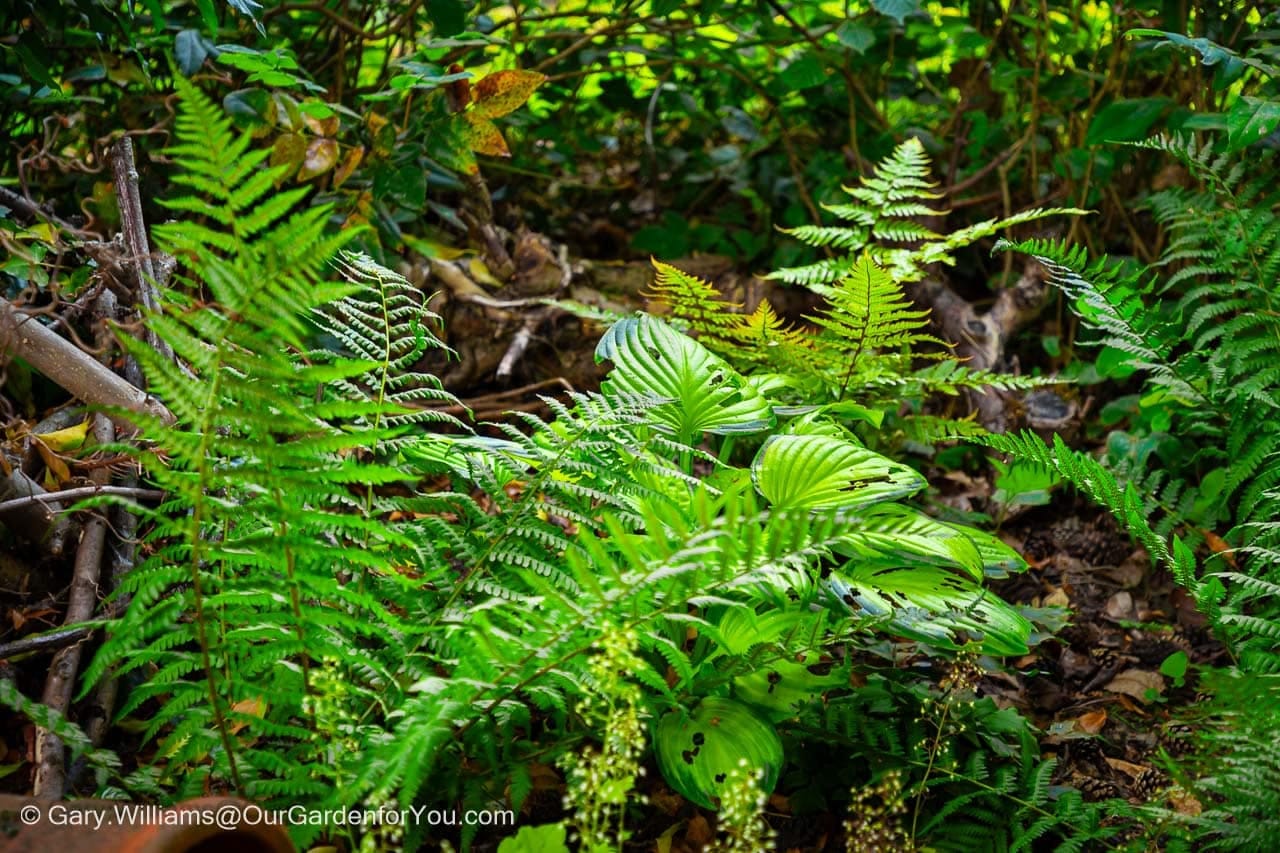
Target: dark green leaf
(1125, 121)
(855, 36)
(1251, 119)
(896, 9)
(447, 17)
(190, 51)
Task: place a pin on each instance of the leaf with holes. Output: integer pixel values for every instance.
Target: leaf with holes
(705, 393)
(821, 472)
(783, 678)
(934, 606)
(697, 751)
(893, 535)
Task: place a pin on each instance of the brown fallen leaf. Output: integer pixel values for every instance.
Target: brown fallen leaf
(1128, 768)
(1184, 803)
(1092, 722)
(1057, 598)
(698, 831)
(1136, 683)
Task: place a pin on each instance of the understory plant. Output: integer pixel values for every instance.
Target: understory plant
(1191, 459)
(344, 607)
(867, 357)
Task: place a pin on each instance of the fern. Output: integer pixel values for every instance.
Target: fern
(1100, 485)
(384, 322)
(885, 211)
(863, 357)
(262, 609)
(1206, 337)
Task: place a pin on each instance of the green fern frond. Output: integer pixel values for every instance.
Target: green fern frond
(695, 305)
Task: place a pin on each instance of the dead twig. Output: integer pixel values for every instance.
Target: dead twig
(48, 642)
(134, 228)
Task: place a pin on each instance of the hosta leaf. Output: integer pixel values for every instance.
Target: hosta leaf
(697, 751)
(998, 559)
(934, 606)
(818, 471)
(894, 535)
(780, 681)
(705, 393)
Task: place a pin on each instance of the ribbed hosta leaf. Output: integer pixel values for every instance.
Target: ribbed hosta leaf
(818, 472)
(934, 606)
(697, 751)
(705, 393)
(893, 534)
(780, 682)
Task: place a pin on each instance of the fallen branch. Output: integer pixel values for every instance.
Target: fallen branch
(82, 492)
(63, 363)
(51, 767)
(38, 521)
(49, 642)
(980, 339)
(134, 228)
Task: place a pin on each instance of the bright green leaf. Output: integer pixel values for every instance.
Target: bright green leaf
(697, 751)
(705, 393)
(818, 471)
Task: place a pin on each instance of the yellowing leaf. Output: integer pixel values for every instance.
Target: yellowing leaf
(322, 155)
(504, 91)
(322, 126)
(43, 232)
(256, 707)
(484, 137)
(349, 163)
(56, 472)
(481, 275)
(71, 438)
(288, 150)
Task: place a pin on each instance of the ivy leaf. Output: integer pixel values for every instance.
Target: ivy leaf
(697, 751)
(504, 91)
